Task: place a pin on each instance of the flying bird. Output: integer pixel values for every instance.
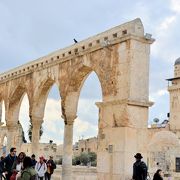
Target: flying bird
(75, 41)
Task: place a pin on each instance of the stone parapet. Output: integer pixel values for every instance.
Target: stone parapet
(130, 30)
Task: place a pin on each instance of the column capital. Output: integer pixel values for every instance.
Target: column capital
(37, 123)
(35, 118)
(69, 119)
(11, 124)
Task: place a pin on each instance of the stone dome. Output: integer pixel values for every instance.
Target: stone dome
(177, 62)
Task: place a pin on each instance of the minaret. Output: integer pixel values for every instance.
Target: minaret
(174, 92)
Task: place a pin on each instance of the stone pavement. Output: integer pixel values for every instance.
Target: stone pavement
(79, 173)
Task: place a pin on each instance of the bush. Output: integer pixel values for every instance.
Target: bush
(58, 161)
(85, 158)
(94, 163)
(92, 156)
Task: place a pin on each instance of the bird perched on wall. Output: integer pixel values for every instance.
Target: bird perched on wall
(75, 41)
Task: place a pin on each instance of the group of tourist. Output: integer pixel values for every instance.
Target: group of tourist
(23, 167)
(140, 171)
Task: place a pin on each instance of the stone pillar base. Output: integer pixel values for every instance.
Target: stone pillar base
(116, 153)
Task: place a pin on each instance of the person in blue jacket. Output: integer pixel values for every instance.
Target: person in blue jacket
(7, 163)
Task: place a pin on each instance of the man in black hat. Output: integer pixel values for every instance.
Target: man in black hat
(139, 168)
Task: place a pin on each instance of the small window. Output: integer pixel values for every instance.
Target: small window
(178, 164)
(105, 38)
(90, 44)
(124, 32)
(98, 41)
(115, 35)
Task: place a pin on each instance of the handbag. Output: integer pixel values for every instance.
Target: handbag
(13, 176)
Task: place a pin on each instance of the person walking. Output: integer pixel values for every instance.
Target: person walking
(41, 168)
(29, 172)
(139, 168)
(158, 175)
(50, 168)
(7, 163)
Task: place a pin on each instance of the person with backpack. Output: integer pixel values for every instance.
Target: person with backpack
(50, 168)
(7, 163)
(158, 175)
(139, 168)
(29, 172)
(41, 168)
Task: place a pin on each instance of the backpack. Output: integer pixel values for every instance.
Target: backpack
(34, 177)
(143, 169)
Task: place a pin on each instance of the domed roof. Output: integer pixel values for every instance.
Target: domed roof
(177, 62)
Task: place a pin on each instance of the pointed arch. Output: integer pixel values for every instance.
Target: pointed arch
(41, 96)
(52, 121)
(86, 125)
(78, 77)
(15, 101)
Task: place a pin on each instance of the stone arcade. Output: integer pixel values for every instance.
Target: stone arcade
(120, 58)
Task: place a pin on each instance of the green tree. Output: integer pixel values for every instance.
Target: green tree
(92, 156)
(30, 130)
(23, 136)
(84, 158)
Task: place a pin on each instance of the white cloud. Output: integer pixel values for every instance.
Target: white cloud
(165, 25)
(85, 129)
(165, 33)
(175, 5)
(155, 96)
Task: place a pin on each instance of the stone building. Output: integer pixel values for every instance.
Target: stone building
(164, 145)
(85, 145)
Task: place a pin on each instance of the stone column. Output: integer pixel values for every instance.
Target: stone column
(36, 123)
(67, 148)
(11, 135)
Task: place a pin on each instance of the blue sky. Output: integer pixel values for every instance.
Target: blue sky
(31, 29)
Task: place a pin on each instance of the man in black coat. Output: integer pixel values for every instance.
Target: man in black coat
(139, 168)
(8, 161)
